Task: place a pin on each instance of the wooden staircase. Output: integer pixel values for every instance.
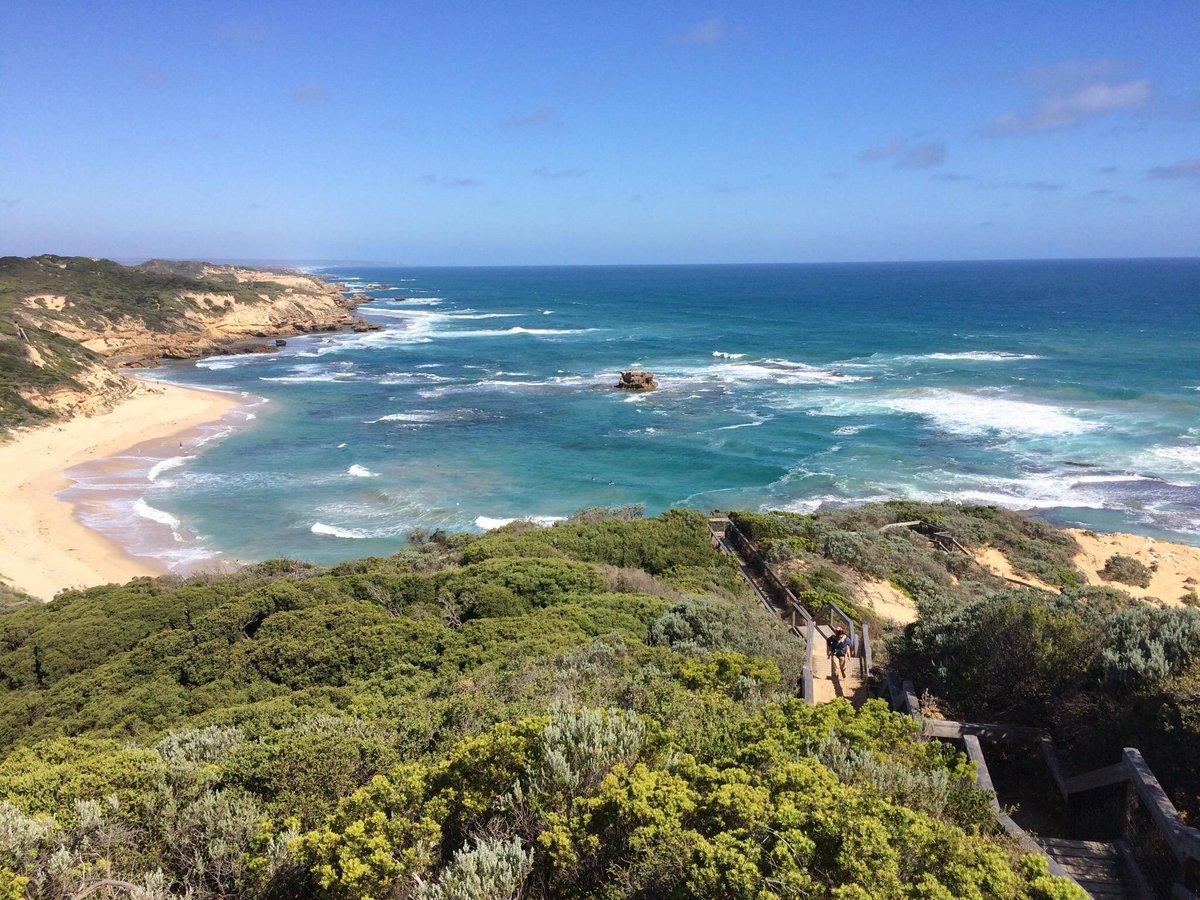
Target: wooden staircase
(828, 683)
(1099, 867)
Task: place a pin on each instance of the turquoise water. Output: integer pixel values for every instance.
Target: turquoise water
(1068, 387)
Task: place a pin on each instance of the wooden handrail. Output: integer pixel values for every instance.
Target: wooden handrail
(735, 540)
(1183, 840)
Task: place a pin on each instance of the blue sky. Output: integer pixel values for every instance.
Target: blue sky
(445, 132)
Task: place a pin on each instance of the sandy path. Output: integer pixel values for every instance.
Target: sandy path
(43, 549)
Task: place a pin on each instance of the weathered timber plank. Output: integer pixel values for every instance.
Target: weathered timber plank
(948, 728)
(911, 704)
(1097, 778)
(1183, 840)
(982, 776)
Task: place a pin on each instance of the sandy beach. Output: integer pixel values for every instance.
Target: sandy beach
(43, 548)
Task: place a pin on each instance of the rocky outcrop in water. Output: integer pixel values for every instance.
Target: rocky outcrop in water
(636, 380)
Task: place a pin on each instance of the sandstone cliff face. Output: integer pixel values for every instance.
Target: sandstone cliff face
(207, 322)
(97, 390)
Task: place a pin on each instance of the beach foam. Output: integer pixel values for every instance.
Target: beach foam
(360, 472)
(1177, 459)
(146, 511)
(165, 465)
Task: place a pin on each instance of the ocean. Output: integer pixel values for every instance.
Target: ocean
(1067, 387)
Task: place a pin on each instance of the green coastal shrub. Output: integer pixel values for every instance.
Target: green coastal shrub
(1126, 570)
(1142, 643)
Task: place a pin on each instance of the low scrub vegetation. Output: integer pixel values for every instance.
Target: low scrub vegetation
(592, 710)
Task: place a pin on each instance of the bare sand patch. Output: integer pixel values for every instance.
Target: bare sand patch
(997, 563)
(888, 602)
(1175, 568)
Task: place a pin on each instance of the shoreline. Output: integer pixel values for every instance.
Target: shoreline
(44, 546)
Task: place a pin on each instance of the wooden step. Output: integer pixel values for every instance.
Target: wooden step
(1097, 866)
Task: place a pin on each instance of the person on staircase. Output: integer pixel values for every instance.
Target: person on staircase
(837, 646)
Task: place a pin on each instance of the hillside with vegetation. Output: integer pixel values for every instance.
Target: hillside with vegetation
(67, 322)
(597, 709)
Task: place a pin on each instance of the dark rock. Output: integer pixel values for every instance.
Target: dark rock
(636, 380)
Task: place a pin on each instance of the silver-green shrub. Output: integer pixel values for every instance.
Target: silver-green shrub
(491, 870)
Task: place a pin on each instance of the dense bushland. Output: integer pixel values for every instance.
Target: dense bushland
(591, 710)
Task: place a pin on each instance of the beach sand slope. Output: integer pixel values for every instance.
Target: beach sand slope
(43, 548)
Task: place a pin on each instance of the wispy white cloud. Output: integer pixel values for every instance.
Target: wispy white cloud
(1187, 168)
(1071, 93)
(710, 31)
(311, 93)
(907, 155)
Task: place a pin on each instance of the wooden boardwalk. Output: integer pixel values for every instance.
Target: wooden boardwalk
(823, 680)
(1104, 869)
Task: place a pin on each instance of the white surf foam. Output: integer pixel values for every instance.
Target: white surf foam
(847, 430)
(165, 465)
(307, 379)
(1177, 459)
(217, 363)
(775, 371)
(723, 355)
(980, 356)
(146, 511)
(516, 329)
(976, 414)
(420, 418)
(754, 422)
(334, 531)
(487, 523)
(360, 472)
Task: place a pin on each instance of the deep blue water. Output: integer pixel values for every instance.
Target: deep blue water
(1070, 387)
